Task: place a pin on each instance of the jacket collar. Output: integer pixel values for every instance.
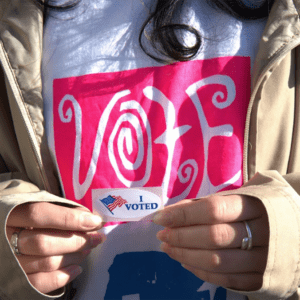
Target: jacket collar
(21, 28)
(281, 34)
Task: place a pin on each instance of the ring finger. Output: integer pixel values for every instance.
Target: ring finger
(217, 236)
(51, 243)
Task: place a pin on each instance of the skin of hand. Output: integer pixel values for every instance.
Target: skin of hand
(56, 239)
(205, 236)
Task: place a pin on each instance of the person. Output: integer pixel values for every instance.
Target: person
(236, 235)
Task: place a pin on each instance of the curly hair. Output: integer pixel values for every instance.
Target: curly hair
(164, 34)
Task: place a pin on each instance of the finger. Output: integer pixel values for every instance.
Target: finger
(241, 282)
(47, 282)
(49, 215)
(220, 261)
(216, 236)
(37, 264)
(211, 210)
(51, 243)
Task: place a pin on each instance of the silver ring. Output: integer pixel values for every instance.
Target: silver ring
(14, 241)
(247, 241)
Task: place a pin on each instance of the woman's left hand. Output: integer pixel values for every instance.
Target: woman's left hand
(205, 236)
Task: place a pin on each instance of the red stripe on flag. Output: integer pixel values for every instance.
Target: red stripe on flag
(119, 201)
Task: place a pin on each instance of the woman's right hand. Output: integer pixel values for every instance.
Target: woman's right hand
(53, 241)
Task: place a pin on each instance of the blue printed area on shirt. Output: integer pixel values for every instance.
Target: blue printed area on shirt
(154, 275)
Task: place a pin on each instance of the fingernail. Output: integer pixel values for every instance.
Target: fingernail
(165, 248)
(159, 235)
(90, 220)
(162, 218)
(97, 239)
(162, 235)
(74, 271)
(86, 252)
(189, 268)
(103, 237)
(185, 266)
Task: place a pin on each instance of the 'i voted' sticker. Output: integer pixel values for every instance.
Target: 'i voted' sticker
(127, 204)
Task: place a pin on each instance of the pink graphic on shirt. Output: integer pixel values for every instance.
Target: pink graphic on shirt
(178, 126)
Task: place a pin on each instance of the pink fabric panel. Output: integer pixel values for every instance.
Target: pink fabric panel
(150, 126)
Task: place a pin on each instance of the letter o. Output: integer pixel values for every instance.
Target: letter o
(135, 206)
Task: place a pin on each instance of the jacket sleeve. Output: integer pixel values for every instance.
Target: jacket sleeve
(14, 284)
(279, 195)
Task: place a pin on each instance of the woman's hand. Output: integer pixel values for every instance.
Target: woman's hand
(53, 241)
(206, 235)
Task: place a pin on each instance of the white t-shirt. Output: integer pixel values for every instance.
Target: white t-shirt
(115, 118)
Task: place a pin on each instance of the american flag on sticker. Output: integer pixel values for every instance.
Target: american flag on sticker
(112, 202)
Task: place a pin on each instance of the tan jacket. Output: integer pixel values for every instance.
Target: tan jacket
(271, 151)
